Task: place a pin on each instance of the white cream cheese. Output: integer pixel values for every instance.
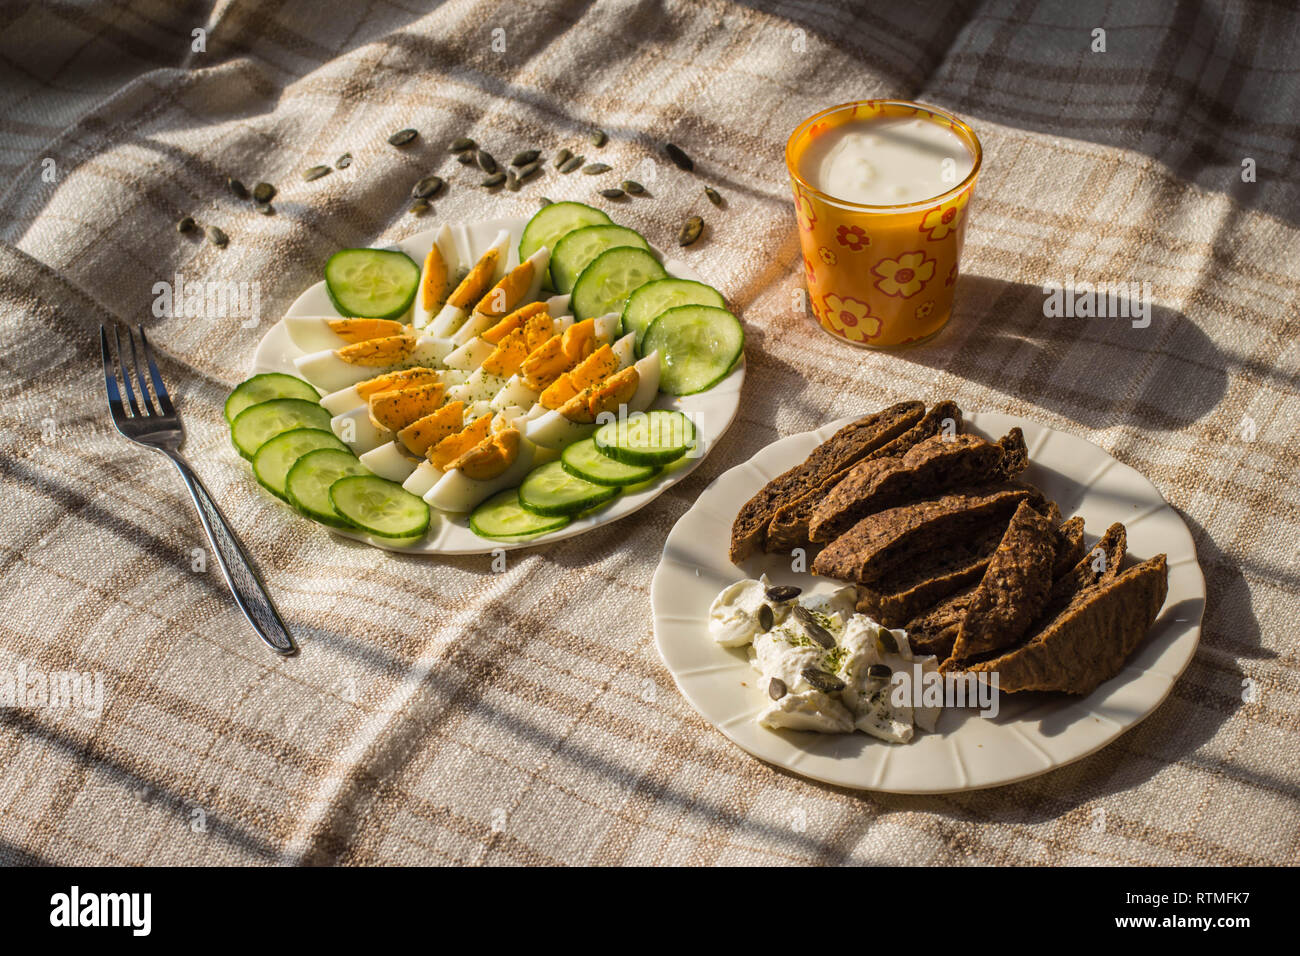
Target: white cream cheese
(733, 616)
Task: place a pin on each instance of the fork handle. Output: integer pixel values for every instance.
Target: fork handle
(235, 566)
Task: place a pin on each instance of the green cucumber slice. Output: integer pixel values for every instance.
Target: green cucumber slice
(380, 507)
(610, 278)
(501, 516)
(654, 298)
(372, 283)
(697, 344)
(654, 438)
(307, 485)
(263, 388)
(574, 251)
(550, 490)
(584, 460)
(551, 222)
(273, 460)
(258, 424)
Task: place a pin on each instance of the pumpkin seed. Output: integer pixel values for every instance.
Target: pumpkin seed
(427, 187)
(691, 230)
(419, 207)
(186, 224)
(467, 158)
(343, 162)
(402, 137)
(595, 169)
(776, 688)
(679, 157)
(216, 236)
(820, 679)
(714, 196)
(461, 143)
(612, 193)
(886, 643)
(236, 187)
(598, 138)
(879, 671)
(512, 181)
(765, 617)
(486, 162)
(529, 169)
(562, 157)
(633, 187)
(316, 172)
(496, 179)
(524, 157)
(572, 163)
(780, 593)
(265, 208)
(263, 192)
(811, 626)
(543, 201)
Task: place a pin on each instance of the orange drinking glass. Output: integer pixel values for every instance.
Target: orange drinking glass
(880, 276)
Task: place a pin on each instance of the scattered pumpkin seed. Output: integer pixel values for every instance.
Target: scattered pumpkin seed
(886, 643)
(765, 617)
(612, 193)
(691, 230)
(780, 593)
(714, 196)
(427, 187)
(820, 679)
(468, 158)
(343, 162)
(236, 187)
(186, 224)
(486, 162)
(512, 181)
(265, 208)
(263, 192)
(633, 187)
(316, 172)
(402, 137)
(496, 179)
(595, 169)
(572, 163)
(879, 671)
(529, 169)
(598, 138)
(216, 236)
(462, 143)
(419, 207)
(524, 157)
(679, 157)
(543, 201)
(562, 157)
(776, 688)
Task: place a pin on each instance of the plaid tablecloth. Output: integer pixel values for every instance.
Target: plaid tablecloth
(443, 713)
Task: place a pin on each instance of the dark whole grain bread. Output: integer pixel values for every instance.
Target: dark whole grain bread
(788, 528)
(928, 468)
(935, 631)
(1015, 457)
(846, 447)
(887, 540)
(1014, 588)
(1069, 546)
(1088, 642)
(1098, 566)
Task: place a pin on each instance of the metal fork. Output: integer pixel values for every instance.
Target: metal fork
(159, 427)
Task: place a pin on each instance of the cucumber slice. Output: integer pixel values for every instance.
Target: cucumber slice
(263, 388)
(584, 460)
(551, 222)
(273, 460)
(574, 251)
(380, 507)
(258, 424)
(372, 283)
(550, 490)
(654, 438)
(610, 278)
(654, 298)
(501, 516)
(308, 483)
(698, 345)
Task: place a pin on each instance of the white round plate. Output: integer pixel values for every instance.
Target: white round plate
(1032, 733)
(712, 411)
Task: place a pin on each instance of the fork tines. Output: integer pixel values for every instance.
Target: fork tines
(128, 367)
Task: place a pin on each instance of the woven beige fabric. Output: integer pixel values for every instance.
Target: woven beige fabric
(441, 713)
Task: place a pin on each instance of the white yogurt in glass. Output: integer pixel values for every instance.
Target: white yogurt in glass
(886, 162)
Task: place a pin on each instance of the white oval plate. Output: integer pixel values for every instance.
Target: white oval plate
(1032, 733)
(712, 411)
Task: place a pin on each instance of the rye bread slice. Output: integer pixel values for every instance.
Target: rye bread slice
(1088, 642)
(1098, 566)
(788, 528)
(844, 448)
(935, 631)
(1069, 546)
(1015, 455)
(889, 539)
(928, 468)
(1014, 589)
